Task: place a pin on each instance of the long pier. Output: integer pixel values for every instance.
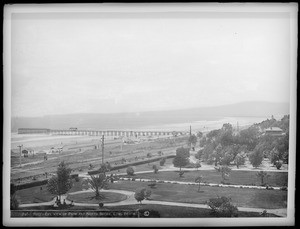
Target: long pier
(117, 133)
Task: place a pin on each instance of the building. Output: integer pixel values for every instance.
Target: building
(274, 131)
(28, 152)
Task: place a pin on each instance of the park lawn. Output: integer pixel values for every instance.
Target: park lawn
(212, 176)
(89, 197)
(34, 195)
(241, 197)
(162, 210)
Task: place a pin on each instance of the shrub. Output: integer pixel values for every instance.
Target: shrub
(199, 154)
(14, 204)
(130, 171)
(142, 194)
(181, 173)
(256, 158)
(222, 207)
(278, 164)
(283, 188)
(162, 161)
(262, 175)
(152, 185)
(149, 155)
(197, 165)
(77, 179)
(155, 169)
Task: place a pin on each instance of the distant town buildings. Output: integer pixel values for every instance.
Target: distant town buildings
(274, 131)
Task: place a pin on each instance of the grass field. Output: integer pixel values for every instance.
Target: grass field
(34, 195)
(89, 197)
(40, 194)
(179, 193)
(271, 199)
(212, 176)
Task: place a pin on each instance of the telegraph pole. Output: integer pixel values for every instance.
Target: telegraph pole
(102, 146)
(20, 146)
(121, 143)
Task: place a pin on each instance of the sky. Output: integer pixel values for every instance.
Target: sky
(63, 63)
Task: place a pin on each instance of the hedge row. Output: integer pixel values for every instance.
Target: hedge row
(37, 183)
(133, 164)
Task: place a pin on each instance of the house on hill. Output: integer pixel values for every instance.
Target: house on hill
(28, 152)
(274, 131)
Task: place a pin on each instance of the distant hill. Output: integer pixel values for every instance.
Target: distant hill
(136, 120)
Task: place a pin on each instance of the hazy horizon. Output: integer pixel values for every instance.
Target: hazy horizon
(153, 111)
(65, 63)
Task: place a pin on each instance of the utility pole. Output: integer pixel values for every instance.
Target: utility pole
(190, 136)
(102, 146)
(20, 146)
(121, 143)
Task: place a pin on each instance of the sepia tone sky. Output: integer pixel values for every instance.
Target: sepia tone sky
(102, 63)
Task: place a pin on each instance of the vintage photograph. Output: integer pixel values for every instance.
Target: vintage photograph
(150, 114)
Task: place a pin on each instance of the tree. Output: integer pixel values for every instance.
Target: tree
(180, 162)
(198, 180)
(240, 159)
(225, 136)
(141, 194)
(208, 151)
(97, 183)
(202, 141)
(225, 172)
(216, 154)
(256, 157)
(105, 167)
(61, 183)
(222, 207)
(274, 156)
(155, 169)
(197, 165)
(262, 175)
(199, 134)
(199, 154)
(192, 140)
(182, 157)
(278, 164)
(14, 204)
(162, 162)
(228, 153)
(249, 137)
(183, 152)
(130, 171)
(213, 134)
